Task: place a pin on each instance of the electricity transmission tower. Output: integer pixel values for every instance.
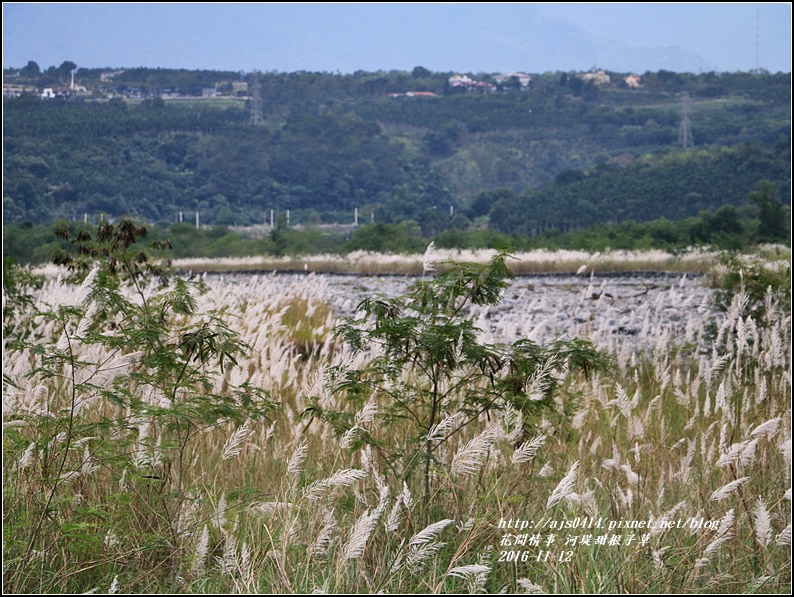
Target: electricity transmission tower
(256, 99)
(685, 131)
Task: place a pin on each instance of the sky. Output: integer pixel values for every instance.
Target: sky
(444, 37)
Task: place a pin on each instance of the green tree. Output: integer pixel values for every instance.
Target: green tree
(151, 343)
(432, 371)
(771, 213)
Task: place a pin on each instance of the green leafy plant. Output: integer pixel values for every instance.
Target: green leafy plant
(430, 369)
(126, 382)
(758, 282)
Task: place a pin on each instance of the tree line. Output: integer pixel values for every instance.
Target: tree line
(334, 143)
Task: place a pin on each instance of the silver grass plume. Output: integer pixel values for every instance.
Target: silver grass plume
(347, 438)
(658, 563)
(768, 428)
(202, 547)
(228, 561)
(360, 534)
(466, 572)
(527, 586)
(784, 538)
(469, 459)
(406, 496)
(295, 465)
(421, 553)
(219, 519)
(428, 265)
(565, 487)
(734, 453)
(341, 478)
(429, 533)
(440, 430)
(763, 523)
(323, 541)
(27, 457)
(528, 450)
(726, 490)
(724, 533)
(234, 445)
(367, 414)
(658, 526)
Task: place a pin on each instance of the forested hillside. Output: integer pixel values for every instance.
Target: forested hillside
(562, 153)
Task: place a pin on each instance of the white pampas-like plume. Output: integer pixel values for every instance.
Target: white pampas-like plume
(726, 490)
(784, 538)
(441, 429)
(201, 551)
(723, 534)
(658, 526)
(527, 451)
(347, 438)
(295, 465)
(367, 414)
(234, 445)
(763, 523)
(529, 587)
(733, 454)
(466, 572)
(749, 452)
(360, 534)
(622, 401)
(565, 487)
(469, 459)
(428, 265)
(324, 537)
(658, 563)
(429, 533)
(393, 519)
(419, 554)
(27, 457)
(219, 519)
(767, 428)
(341, 478)
(228, 561)
(406, 496)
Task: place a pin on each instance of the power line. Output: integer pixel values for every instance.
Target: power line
(256, 99)
(685, 139)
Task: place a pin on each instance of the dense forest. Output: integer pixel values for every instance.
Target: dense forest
(559, 154)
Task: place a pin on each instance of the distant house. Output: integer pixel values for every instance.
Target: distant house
(633, 81)
(209, 92)
(523, 78)
(17, 90)
(460, 81)
(56, 92)
(469, 84)
(598, 77)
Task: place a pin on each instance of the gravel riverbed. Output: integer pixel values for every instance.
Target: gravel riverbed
(617, 313)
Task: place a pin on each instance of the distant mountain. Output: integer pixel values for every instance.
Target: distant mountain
(516, 37)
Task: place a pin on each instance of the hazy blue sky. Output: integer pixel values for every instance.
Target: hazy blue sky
(467, 37)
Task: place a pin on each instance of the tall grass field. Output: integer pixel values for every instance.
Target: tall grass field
(230, 436)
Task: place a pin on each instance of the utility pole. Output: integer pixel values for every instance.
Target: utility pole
(256, 99)
(685, 130)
